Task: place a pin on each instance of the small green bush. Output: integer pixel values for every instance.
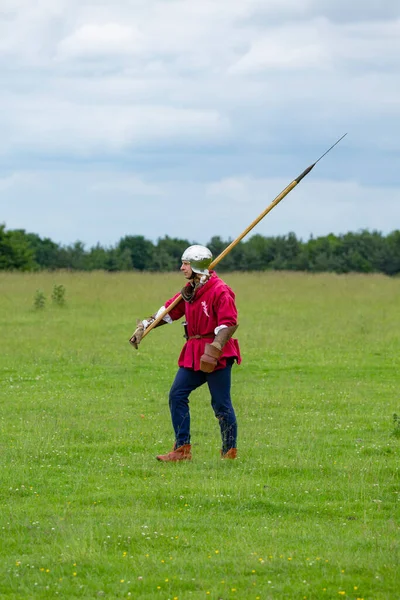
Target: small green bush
(39, 300)
(58, 295)
(396, 426)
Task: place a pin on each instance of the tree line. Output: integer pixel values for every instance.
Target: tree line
(363, 252)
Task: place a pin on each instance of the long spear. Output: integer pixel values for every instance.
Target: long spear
(245, 232)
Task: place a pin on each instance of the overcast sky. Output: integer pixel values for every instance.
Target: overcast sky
(187, 117)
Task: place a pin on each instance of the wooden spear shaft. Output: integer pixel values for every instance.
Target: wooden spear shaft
(228, 249)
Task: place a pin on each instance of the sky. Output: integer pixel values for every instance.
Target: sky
(187, 118)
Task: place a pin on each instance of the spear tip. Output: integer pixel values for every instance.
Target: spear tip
(306, 172)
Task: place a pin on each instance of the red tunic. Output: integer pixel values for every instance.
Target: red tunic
(213, 305)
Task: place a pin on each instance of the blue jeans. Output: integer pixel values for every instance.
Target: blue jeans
(219, 384)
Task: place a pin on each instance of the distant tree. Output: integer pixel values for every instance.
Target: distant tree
(236, 259)
(258, 252)
(75, 256)
(363, 252)
(97, 258)
(15, 251)
(323, 254)
(391, 258)
(287, 250)
(168, 252)
(123, 260)
(216, 245)
(46, 252)
(141, 251)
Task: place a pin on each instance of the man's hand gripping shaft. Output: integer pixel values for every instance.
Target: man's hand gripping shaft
(141, 327)
(137, 334)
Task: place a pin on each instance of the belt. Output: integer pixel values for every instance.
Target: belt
(199, 337)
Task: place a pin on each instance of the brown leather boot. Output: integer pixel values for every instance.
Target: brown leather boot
(181, 453)
(231, 453)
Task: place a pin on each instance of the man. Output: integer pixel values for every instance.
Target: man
(208, 305)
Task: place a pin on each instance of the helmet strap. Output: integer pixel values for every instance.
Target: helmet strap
(195, 283)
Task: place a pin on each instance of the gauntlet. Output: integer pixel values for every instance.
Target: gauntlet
(137, 334)
(141, 326)
(213, 351)
(209, 359)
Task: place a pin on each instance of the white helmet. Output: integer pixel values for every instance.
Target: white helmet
(199, 258)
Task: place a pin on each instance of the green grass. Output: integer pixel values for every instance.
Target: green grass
(309, 510)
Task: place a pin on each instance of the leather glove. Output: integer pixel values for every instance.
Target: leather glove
(137, 334)
(209, 359)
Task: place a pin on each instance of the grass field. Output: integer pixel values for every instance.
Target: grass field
(311, 508)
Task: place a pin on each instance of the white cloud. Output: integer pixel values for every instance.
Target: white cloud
(93, 40)
(287, 47)
(236, 189)
(90, 129)
(128, 185)
(321, 45)
(206, 103)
